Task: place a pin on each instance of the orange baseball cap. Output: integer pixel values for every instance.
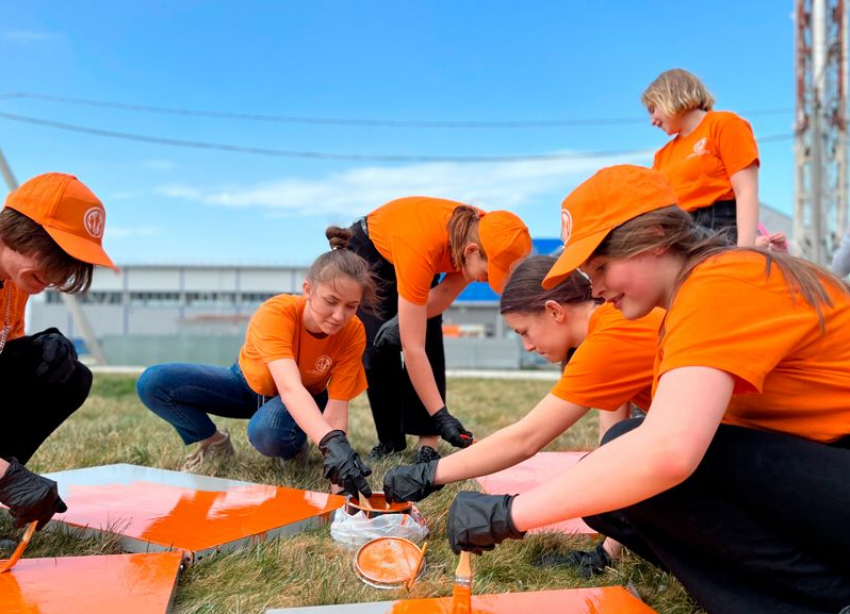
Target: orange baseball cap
(505, 240)
(611, 197)
(68, 211)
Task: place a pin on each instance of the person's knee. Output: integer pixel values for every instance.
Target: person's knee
(270, 442)
(621, 428)
(76, 390)
(151, 385)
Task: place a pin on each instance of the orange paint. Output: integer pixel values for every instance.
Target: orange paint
(190, 519)
(125, 583)
(540, 468)
(608, 600)
(461, 598)
(388, 561)
(613, 600)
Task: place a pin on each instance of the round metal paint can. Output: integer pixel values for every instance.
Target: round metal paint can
(379, 504)
(389, 562)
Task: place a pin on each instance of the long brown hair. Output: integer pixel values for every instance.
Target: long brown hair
(29, 238)
(524, 293)
(342, 262)
(463, 229)
(673, 230)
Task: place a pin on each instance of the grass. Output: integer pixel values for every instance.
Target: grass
(310, 568)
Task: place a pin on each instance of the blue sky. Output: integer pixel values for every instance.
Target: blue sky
(433, 60)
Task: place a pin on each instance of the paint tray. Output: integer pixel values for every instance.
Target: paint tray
(608, 600)
(125, 583)
(538, 469)
(156, 510)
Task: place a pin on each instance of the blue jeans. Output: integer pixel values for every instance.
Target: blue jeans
(185, 395)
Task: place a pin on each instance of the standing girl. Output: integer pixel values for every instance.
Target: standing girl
(410, 243)
(300, 366)
(736, 480)
(712, 160)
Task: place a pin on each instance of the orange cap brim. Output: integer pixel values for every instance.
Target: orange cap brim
(573, 256)
(79, 248)
(497, 278)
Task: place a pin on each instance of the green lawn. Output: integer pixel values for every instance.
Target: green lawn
(311, 569)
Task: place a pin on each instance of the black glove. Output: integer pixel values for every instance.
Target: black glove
(451, 429)
(343, 466)
(389, 335)
(29, 495)
(410, 482)
(478, 522)
(57, 357)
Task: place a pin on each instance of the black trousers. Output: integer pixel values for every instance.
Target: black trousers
(32, 408)
(396, 408)
(721, 217)
(761, 527)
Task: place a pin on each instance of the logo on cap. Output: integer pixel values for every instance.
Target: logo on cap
(566, 226)
(94, 221)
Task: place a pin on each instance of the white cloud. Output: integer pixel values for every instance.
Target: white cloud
(26, 36)
(121, 232)
(490, 185)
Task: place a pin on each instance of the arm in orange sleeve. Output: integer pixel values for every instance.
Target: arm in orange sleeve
(667, 448)
(412, 320)
(745, 184)
(299, 402)
(443, 294)
(513, 444)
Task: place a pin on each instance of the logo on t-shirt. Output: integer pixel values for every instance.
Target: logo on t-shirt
(324, 363)
(566, 226)
(699, 148)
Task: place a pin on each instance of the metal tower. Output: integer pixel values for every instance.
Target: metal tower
(820, 217)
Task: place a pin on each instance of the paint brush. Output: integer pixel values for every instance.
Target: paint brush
(364, 502)
(19, 551)
(462, 591)
(418, 566)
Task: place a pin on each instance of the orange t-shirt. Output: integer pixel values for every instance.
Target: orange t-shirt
(789, 376)
(17, 308)
(411, 233)
(277, 331)
(614, 363)
(700, 164)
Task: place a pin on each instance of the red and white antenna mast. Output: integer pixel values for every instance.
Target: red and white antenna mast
(820, 217)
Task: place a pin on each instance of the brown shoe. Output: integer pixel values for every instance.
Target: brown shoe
(219, 450)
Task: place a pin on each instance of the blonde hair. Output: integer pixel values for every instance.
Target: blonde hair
(463, 229)
(674, 231)
(676, 91)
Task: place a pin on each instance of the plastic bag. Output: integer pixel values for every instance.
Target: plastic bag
(355, 530)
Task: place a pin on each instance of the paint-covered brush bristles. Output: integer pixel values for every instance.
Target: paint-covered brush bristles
(462, 591)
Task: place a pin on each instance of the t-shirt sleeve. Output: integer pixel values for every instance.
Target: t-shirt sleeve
(736, 144)
(348, 378)
(723, 322)
(414, 271)
(605, 372)
(272, 331)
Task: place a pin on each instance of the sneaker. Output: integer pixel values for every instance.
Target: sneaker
(426, 454)
(588, 564)
(382, 450)
(221, 449)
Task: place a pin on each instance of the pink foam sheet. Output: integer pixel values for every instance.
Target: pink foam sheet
(538, 469)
